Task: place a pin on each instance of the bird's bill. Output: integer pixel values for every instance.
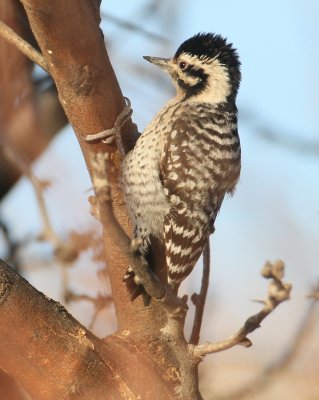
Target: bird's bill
(163, 63)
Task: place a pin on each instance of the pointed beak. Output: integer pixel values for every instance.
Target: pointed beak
(163, 63)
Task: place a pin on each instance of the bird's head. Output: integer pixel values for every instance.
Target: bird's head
(204, 68)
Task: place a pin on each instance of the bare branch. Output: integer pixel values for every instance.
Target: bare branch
(277, 293)
(9, 35)
(294, 141)
(314, 293)
(100, 302)
(12, 246)
(104, 213)
(278, 367)
(63, 251)
(200, 299)
(134, 28)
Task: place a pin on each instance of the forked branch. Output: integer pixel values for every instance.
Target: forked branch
(278, 367)
(278, 292)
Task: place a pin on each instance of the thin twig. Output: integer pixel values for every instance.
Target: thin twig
(294, 141)
(102, 209)
(11, 245)
(303, 334)
(133, 27)
(10, 36)
(277, 293)
(64, 252)
(200, 299)
(100, 302)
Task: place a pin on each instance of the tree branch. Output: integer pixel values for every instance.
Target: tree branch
(9, 35)
(48, 334)
(64, 252)
(277, 293)
(134, 27)
(200, 299)
(87, 368)
(10, 389)
(278, 367)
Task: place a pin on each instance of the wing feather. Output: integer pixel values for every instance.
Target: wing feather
(185, 226)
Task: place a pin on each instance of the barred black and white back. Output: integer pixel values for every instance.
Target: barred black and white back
(188, 157)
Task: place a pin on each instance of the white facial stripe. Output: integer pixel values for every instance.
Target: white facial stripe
(188, 58)
(190, 80)
(218, 87)
(218, 82)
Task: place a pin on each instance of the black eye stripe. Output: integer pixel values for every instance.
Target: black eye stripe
(198, 87)
(192, 70)
(197, 72)
(187, 68)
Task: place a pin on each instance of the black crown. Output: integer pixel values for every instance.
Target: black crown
(210, 45)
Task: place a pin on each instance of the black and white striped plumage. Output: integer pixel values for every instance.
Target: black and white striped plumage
(188, 157)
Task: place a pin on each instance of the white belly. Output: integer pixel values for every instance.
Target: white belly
(142, 185)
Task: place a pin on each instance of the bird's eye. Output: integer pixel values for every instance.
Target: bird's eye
(182, 65)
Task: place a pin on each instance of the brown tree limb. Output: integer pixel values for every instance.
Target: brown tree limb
(48, 334)
(278, 292)
(54, 357)
(200, 299)
(83, 69)
(50, 112)
(25, 48)
(9, 389)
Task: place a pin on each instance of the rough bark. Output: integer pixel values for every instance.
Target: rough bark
(53, 356)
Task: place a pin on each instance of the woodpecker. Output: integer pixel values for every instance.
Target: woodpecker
(188, 157)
